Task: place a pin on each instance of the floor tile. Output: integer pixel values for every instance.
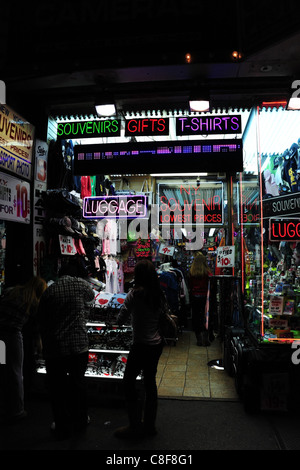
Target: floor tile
(183, 371)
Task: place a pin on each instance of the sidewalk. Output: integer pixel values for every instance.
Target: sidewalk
(187, 425)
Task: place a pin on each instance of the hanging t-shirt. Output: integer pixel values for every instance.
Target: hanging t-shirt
(86, 189)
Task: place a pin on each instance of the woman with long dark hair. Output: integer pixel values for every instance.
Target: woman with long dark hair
(145, 304)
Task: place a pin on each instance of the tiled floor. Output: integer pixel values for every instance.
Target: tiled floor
(183, 371)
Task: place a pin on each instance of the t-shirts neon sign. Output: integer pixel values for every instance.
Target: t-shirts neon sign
(198, 125)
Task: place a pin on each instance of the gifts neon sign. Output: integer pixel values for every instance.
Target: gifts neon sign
(147, 126)
(115, 207)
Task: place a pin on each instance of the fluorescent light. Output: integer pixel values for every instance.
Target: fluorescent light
(105, 109)
(199, 105)
(294, 103)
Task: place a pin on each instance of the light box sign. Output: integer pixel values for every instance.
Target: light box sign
(16, 143)
(147, 126)
(204, 125)
(115, 207)
(14, 199)
(151, 157)
(288, 204)
(287, 230)
(191, 204)
(89, 129)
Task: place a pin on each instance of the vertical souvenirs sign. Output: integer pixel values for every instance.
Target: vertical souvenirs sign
(16, 143)
(40, 185)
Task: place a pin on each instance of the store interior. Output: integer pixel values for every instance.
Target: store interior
(231, 205)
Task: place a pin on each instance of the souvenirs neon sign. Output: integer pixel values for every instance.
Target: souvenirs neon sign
(115, 207)
(87, 129)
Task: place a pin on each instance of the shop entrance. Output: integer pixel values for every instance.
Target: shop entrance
(186, 369)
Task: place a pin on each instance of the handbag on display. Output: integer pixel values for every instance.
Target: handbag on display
(129, 264)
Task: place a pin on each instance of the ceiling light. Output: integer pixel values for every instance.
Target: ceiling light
(108, 109)
(294, 103)
(105, 105)
(199, 101)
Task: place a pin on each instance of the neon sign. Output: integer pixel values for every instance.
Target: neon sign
(87, 129)
(147, 126)
(115, 207)
(199, 125)
(284, 230)
(191, 203)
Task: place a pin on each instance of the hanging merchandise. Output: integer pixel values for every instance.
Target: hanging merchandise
(143, 248)
(218, 270)
(86, 187)
(130, 262)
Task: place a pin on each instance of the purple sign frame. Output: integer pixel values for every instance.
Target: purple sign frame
(115, 207)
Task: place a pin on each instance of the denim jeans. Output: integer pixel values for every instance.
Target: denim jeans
(11, 373)
(142, 358)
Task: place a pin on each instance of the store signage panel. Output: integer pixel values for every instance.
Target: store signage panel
(115, 207)
(277, 206)
(89, 129)
(205, 125)
(147, 126)
(248, 207)
(152, 157)
(287, 230)
(191, 204)
(16, 143)
(14, 199)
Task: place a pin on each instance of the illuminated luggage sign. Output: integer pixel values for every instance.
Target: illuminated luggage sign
(115, 207)
(89, 129)
(191, 204)
(287, 230)
(204, 125)
(150, 157)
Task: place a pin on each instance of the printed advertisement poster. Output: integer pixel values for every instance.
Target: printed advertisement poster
(16, 143)
(14, 199)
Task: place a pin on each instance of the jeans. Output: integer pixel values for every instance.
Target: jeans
(142, 358)
(67, 388)
(11, 373)
(198, 314)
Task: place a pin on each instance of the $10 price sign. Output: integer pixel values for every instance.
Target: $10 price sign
(225, 257)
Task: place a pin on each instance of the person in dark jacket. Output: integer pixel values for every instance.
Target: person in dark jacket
(143, 307)
(198, 286)
(18, 306)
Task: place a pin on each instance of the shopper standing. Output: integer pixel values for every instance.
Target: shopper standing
(143, 307)
(18, 306)
(63, 313)
(198, 286)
